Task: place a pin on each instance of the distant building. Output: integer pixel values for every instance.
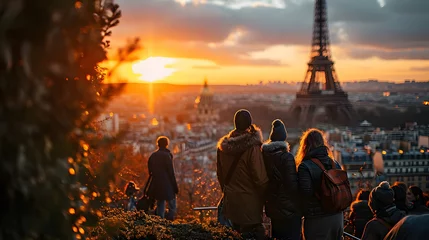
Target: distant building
(359, 169)
(410, 167)
(205, 111)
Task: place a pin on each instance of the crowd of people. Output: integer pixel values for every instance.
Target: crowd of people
(305, 196)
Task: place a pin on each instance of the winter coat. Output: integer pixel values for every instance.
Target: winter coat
(244, 194)
(310, 180)
(163, 185)
(418, 209)
(410, 228)
(360, 214)
(380, 225)
(282, 193)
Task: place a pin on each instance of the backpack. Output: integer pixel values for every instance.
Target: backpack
(335, 193)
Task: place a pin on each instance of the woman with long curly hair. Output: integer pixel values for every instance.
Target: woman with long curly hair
(318, 224)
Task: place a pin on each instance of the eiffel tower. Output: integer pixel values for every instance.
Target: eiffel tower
(321, 98)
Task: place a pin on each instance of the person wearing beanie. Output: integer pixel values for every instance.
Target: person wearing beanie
(242, 120)
(242, 176)
(278, 131)
(282, 195)
(386, 215)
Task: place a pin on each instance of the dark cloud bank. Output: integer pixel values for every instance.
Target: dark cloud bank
(399, 30)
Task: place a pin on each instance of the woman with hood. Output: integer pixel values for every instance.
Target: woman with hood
(386, 215)
(319, 224)
(282, 194)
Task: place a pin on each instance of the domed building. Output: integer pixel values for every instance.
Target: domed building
(204, 105)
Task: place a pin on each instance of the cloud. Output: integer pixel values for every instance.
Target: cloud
(423, 69)
(206, 67)
(389, 54)
(208, 30)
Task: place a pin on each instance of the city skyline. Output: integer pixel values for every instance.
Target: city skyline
(244, 42)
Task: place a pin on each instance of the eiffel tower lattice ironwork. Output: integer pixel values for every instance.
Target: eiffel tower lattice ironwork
(321, 98)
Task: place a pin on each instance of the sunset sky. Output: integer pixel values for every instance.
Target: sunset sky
(246, 41)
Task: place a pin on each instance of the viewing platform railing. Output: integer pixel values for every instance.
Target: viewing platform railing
(202, 209)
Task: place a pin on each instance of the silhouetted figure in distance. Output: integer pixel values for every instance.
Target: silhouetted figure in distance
(163, 187)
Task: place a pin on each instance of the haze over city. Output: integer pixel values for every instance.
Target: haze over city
(244, 42)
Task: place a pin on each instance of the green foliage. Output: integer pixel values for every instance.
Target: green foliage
(51, 89)
(117, 224)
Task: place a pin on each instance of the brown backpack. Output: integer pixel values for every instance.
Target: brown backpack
(335, 193)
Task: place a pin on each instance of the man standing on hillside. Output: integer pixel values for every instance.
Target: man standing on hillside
(163, 187)
(242, 176)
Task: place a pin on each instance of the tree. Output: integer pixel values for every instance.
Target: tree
(51, 89)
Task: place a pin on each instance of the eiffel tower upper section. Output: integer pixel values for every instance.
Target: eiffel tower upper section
(321, 76)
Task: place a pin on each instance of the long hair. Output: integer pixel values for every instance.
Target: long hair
(131, 188)
(311, 139)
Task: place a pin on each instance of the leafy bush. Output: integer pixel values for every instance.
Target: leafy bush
(51, 89)
(117, 224)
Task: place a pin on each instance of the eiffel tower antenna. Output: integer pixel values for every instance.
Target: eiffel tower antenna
(321, 93)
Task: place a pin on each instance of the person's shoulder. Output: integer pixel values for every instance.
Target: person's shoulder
(304, 164)
(289, 156)
(373, 223)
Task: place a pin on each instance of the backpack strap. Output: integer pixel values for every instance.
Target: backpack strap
(318, 163)
(321, 166)
(231, 170)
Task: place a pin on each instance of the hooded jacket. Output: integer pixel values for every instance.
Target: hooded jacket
(282, 193)
(244, 195)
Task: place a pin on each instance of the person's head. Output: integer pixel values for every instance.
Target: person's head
(242, 120)
(363, 195)
(401, 185)
(131, 189)
(400, 193)
(415, 195)
(162, 142)
(310, 140)
(278, 131)
(381, 197)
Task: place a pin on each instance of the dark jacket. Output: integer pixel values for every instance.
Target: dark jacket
(244, 195)
(418, 209)
(310, 179)
(282, 193)
(163, 185)
(410, 228)
(359, 216)
(380, 225)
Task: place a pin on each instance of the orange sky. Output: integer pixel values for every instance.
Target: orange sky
(181, 61)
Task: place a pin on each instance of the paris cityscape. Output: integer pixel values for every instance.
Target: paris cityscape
(214, 119)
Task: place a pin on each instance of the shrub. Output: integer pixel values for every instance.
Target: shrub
(51, 89)
(117, 224)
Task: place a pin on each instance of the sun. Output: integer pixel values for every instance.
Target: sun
(154, 68)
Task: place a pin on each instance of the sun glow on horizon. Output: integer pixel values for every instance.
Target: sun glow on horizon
(154, 68)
